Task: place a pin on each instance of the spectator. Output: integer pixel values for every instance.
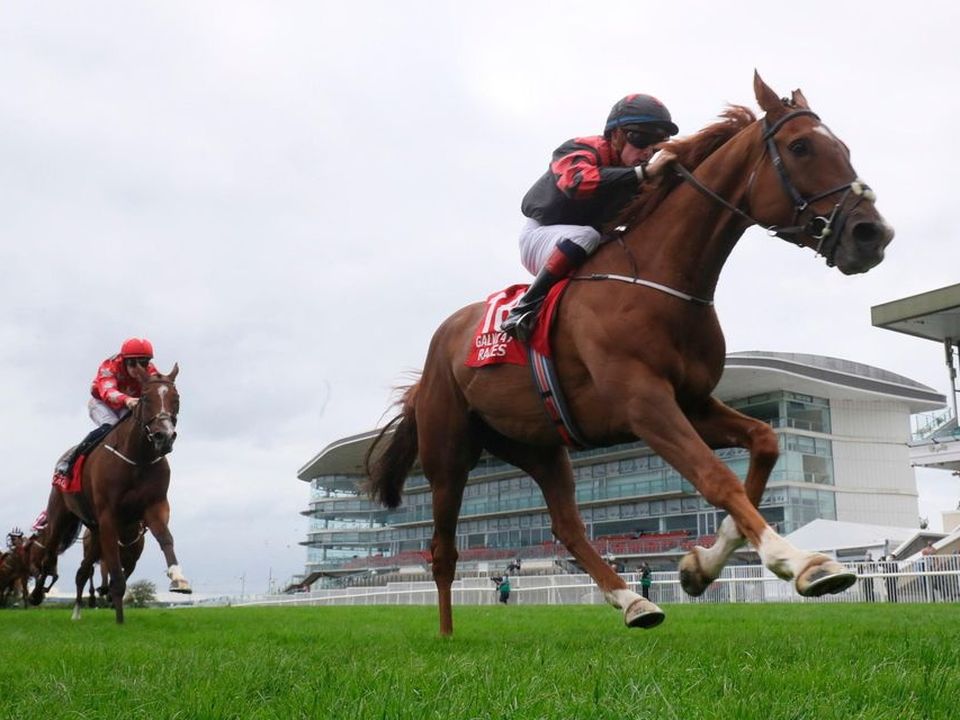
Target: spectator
(504, 588)
(646, 579)
(926, 565)
(888, 566)
(868, 568)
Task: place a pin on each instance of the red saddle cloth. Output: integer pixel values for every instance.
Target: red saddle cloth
(71, 484)
(492, 346)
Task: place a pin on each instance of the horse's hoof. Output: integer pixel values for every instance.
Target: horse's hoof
(181, 586)
(823, 578)
(692, 578)
(643, 614)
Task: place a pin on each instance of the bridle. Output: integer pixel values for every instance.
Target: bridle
(825, 229)
(162, 415)
(145, 424)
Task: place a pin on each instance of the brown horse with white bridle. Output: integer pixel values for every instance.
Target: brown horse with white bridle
(639, 349)
(124, 481)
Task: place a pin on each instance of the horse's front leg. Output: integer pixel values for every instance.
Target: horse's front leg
(656, 418)
(110, 559)
(84, 574)
(722, 427)
(156, 518)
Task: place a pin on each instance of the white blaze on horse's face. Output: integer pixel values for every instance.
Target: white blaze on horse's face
(166, 423)
(162, 423)
(823, 130)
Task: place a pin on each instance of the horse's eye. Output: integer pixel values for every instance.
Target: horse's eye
(799, 147)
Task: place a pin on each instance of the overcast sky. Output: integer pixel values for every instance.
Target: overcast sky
(288, 198)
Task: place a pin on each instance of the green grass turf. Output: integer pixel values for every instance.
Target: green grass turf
(705, 661)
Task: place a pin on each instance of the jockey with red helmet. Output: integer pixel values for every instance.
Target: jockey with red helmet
(588, 182)
(115, 391)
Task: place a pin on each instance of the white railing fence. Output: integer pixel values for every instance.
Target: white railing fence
(931, 579)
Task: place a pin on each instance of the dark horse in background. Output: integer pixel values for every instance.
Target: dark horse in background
(639, 356)
(124, 480)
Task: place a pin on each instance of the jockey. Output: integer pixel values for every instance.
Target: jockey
(115, 391)
(588, 183)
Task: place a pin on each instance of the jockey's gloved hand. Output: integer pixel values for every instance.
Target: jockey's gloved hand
(654, 169)
(131, 402)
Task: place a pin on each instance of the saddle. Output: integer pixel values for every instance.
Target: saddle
(492, 346)
(69, 468)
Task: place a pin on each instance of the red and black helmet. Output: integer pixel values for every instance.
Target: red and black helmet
(135, 348)
(640, 109)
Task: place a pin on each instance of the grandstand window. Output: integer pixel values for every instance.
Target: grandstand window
(626, 466)
(681, 522)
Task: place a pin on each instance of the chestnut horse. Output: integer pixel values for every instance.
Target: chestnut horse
(640, 350)
(124, 480)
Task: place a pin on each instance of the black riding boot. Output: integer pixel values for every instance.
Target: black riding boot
(521, 320)
(92, 438)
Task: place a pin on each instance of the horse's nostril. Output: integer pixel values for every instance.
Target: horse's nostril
(867, 233)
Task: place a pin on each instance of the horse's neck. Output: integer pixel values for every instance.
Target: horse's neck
(687, 239)
(130, 439)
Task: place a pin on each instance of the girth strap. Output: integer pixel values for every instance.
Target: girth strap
(548, 385)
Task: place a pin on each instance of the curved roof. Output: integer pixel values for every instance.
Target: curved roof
(759, 371)
(746, 373)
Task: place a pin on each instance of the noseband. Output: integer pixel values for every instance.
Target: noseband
(825, 229)
(162, 415)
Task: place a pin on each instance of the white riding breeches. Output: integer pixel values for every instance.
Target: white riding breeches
(538, 241)
(101, 413)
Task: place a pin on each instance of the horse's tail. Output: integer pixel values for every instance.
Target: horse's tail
(71, 531)
(388, 469)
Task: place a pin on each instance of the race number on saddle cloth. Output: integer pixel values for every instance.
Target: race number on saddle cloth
(492, 346)
(70, 483)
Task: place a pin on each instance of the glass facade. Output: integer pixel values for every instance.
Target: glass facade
(621, 490)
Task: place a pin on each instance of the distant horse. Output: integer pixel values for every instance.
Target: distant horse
(124, 480)
(640, 350)
(14, 568)
(131, 541)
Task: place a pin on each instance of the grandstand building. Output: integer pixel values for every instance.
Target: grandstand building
(843, 427)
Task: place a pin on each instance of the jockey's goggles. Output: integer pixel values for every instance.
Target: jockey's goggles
(642, 140)
(141, 361)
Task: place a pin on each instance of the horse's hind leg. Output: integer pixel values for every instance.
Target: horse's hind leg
(449, 447)
(550, 468)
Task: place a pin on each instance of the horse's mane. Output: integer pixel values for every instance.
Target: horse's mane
(690, 152)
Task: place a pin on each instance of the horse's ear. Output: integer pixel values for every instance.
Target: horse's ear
(767, 98)
(173, 373)
(797, 98)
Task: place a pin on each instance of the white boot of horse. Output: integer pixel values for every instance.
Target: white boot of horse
(701, 566)
(76, 612)
(816, 574)
(637, 610)
(178, 583)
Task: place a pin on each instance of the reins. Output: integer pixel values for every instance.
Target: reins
(825, 229)
(145, 425)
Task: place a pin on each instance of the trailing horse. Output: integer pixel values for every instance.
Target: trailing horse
(639, 350)
(124, 481)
